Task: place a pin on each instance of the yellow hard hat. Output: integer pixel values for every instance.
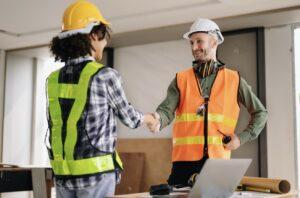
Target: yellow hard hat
(81, 17)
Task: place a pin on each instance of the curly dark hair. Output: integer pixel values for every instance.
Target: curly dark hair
(76, 45)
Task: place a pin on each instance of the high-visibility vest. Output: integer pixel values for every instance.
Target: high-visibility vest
(65, 162)
(222, 114)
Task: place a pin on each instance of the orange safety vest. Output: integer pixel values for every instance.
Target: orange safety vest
(222, 115)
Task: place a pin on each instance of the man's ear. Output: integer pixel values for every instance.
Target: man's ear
(92, 37)
(214, 42)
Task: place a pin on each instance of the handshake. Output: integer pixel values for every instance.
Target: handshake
(152, 121)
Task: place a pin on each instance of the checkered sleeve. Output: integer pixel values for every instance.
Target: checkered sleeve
(118, 101)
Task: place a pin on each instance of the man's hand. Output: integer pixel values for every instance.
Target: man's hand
(152, 122)
(234, 143)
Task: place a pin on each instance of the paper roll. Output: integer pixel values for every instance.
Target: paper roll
(275, 185)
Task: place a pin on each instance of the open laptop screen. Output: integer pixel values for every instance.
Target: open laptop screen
(219, 178)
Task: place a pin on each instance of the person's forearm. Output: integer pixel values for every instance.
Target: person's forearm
(256, 125)
(255, 108)
(166, 109)
(127, 114)
(165, 117)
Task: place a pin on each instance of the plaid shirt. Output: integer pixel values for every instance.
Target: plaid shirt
(107, 102)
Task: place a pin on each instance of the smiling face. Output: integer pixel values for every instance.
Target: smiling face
(204, 46)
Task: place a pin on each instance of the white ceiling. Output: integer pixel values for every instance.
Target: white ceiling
(26, 23)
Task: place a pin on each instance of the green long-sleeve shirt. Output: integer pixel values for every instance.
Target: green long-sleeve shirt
(258, 113)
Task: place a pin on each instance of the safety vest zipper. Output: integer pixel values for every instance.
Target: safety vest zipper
(205, 152)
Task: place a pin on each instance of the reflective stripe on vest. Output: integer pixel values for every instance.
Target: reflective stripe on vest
(192, 117)
(223, 112)
(86, 166)
(217, 140)
(67, 165)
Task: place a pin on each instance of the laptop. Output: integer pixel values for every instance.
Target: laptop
(219, 178)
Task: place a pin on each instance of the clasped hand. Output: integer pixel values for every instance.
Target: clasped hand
(152, 122)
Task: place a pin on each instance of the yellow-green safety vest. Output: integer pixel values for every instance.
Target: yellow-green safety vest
(63, 162)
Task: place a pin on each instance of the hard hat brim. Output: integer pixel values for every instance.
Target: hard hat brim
(187, 35)
(219, 35)
(85, 30)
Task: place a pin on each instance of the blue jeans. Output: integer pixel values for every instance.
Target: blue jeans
(104, 188)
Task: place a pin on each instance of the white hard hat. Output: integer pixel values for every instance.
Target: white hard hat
(207, 26)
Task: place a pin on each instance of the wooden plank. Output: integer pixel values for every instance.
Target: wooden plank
(158, 154)
(132, 175)
(185, 195)
(8, 165)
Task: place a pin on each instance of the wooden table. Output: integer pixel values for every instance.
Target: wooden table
(237, 195)
(26, 179)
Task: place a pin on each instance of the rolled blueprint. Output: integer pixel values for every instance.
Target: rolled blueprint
(275, 185)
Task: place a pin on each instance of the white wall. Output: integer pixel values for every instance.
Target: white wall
(280, 103)
(152, 65)
(17, 113)
(18, 110)
(297, 88)
(2, 82)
